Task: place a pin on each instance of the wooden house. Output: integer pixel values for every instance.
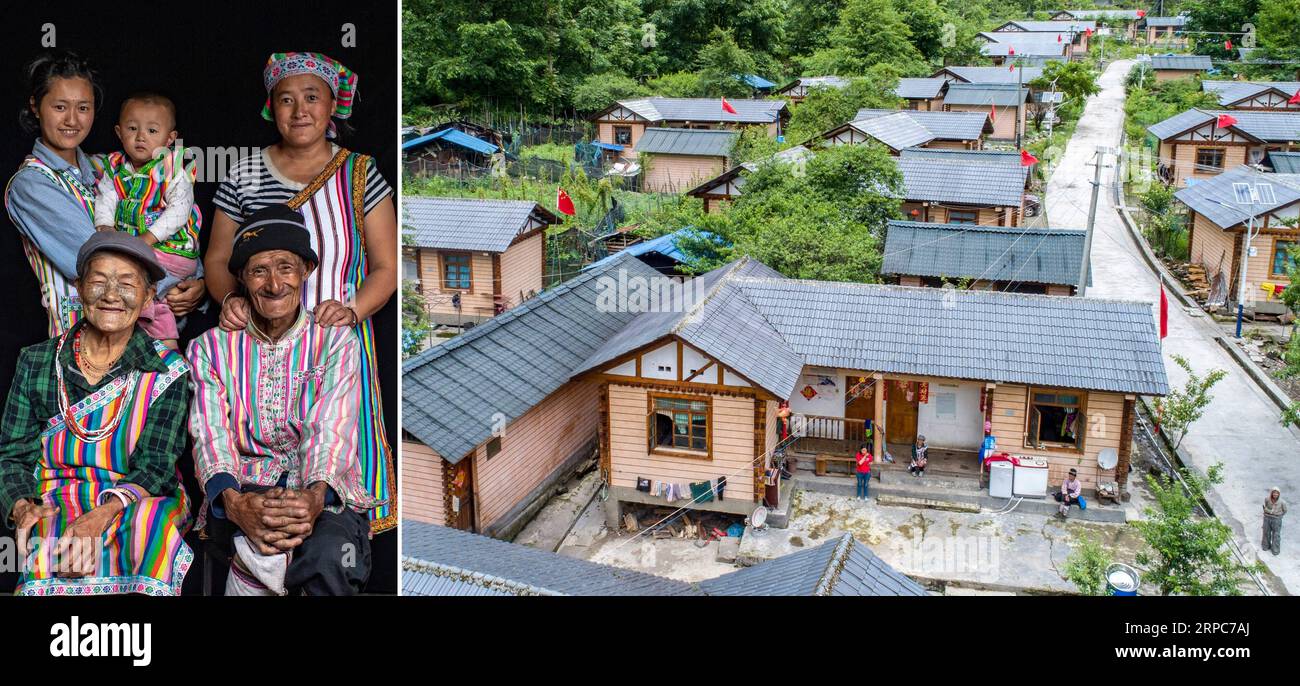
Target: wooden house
(623, 123)
(474, 258)
(674, 160)
(1127, 21)
(1076, 31)
(1043, 261)
(798, 89)
(1193, 146)
(723, 188)
(1221, 209)
(1170, 67)
(1020, 74)
(1004, 103)
(949, 129)
(1001, 47)
(922, 94)
(1166, 32)
(1270, 96)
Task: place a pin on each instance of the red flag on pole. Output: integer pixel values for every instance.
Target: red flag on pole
(1026, 159)
(993, 113)
(1011, 50)
(1058, 38)
(564, 203)
(726, 107)
(1226, 120)
(1142, 13)
(1295, 99)
(1013, 68)
(1227, 44)
(1164, 311)
(1087, 31)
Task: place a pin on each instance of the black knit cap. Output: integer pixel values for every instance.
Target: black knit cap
(274, 227)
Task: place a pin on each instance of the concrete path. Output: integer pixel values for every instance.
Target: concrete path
(1240, 428)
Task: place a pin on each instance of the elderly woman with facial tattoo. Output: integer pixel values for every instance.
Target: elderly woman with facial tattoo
(93, 426)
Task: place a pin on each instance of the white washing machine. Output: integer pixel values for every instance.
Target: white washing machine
(1000, 479)
(1031, 477)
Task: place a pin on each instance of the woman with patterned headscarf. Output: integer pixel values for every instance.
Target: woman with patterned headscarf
(349, 211)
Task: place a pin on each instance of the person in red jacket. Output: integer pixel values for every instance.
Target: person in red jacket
(863, 459)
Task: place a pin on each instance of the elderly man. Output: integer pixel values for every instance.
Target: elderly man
(89, 440)
(275, 426)
(1274, 510)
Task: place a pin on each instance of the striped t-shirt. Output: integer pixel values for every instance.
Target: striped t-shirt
(254, 183)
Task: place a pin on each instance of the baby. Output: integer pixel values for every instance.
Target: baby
(146, 191)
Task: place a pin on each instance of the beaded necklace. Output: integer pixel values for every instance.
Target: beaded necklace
(69, 419)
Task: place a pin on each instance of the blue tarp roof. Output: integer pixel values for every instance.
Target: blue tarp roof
(665, 245)
(756, 81)
(608, 146)
(455, 137)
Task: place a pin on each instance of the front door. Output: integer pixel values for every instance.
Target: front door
(858, 410)
(900, 412)
(459, 481)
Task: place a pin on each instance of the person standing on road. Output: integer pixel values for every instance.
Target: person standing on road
(863, 459)
(1274, 510)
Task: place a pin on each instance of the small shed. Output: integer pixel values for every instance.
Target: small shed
(1010, 259)
(675, 160)
(1169, 67)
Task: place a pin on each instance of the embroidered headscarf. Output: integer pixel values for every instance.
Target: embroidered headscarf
(341, 80)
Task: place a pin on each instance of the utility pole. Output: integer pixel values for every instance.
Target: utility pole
(1099, 162)
(1020, 101)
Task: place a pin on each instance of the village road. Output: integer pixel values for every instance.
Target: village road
(1240, 427)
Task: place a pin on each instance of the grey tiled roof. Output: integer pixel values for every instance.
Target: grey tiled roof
(509, 363)
(839, 567)
(529, 570)
(1100, 14)
(962, 182)
(1284, 162)
(468, 223)
(1208, 197)
(427, 578)
(1024, 47)
(1229, 92)
(1181, 62)
(897, 130)
(993, 253)
(1166, 22)
(1001, 74)
(919, 88)
(1007, 157)
(1273, 127)
(949, 126)
(985, 94)
(810, 82)
(706, 109)
(768, 327)
(1077, 25)
(698, 142)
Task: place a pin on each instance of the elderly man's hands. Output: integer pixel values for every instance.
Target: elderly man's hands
(335, 313)
(277, 520)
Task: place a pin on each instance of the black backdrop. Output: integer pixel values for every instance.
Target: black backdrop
(208, 57)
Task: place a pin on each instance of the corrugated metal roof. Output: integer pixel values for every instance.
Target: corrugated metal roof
(697, 142)
(1216, 199)
(1273, 127)
(911, 88)
(948, 126)
(1000, 94)
(839, 567)
(665, 245)
(468, 223)
(1166, 22)
(994, 74)
(525, 567)
(455, 137)
(1182, 62)
(748, 111)
(756, 81)
(510, 363)
(962, 182)
(1007, 157)
(993, 253)
(1284, 162)
(896, 130)
(768, 327)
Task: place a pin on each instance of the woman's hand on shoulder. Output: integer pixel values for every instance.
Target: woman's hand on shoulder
(234, 313)
(335, 313)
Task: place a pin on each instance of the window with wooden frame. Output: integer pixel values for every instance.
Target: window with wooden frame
(963, 216)
(1055, 419)
(457, 274)
(680, 425)
(622, 135)
(1283, 260)
(493, 447)
(1209, 158)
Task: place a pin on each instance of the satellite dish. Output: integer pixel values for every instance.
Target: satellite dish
(759, 517)
(1108, 458)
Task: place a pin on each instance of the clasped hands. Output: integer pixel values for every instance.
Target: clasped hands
(277, 520)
